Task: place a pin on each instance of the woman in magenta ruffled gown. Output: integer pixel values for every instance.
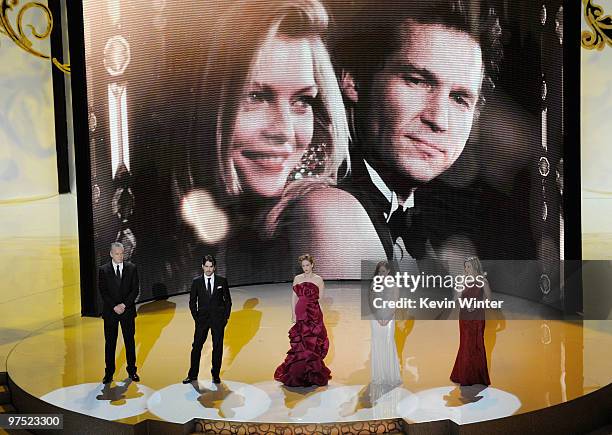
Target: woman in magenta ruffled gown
(304, 364)
(471, 362)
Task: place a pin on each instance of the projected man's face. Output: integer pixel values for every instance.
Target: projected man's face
(275, 120)
(421, 104)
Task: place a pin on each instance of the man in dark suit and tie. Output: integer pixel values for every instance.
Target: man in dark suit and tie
(119, 286)
(210, 304)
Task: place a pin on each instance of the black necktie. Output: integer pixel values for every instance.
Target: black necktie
(208, 287)
(406, 224)
(118, 273)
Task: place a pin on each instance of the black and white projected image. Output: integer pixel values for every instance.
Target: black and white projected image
(259, 130)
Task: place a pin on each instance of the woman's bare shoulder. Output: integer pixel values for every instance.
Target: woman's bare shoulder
(327, 198)
(317, 278)
(326, 206)
(327, 221)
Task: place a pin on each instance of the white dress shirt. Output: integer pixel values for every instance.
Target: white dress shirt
(400, 253)
(120, 268)
(388, 193)
(212, 282)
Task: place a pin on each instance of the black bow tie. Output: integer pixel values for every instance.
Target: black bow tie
(401, 220)
(407, 225)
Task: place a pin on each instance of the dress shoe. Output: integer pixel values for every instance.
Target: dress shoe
(189, 380)
(107, 379)
(134, 377)
(216, 379)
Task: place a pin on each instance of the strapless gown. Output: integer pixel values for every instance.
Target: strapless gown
(304, 364)
(471, 363)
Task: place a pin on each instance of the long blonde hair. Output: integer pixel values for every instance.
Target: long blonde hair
(476, 265)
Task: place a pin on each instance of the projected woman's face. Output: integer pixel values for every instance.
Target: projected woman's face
(275, 121)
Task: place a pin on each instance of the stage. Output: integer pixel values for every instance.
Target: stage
(533, 365)
(54, 357)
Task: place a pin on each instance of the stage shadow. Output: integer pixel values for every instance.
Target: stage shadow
(240, 330)
(294, 396)
(152, 318)
(331, 318)
(10, 336)
(119, 394)
(366, 398)
(403, 328)
(463, 395)
(224, 400)
(363, 401)
(495, 323)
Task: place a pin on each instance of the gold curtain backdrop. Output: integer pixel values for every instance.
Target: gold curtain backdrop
(596, 138)
(27, 132)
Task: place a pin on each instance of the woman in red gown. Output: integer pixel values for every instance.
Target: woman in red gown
(304, 364)
(471, 362)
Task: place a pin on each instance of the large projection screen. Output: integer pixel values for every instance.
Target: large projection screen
(216, 127)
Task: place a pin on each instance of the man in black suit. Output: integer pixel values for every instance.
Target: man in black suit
(210, 304)
(413, 75)
(119, 286)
